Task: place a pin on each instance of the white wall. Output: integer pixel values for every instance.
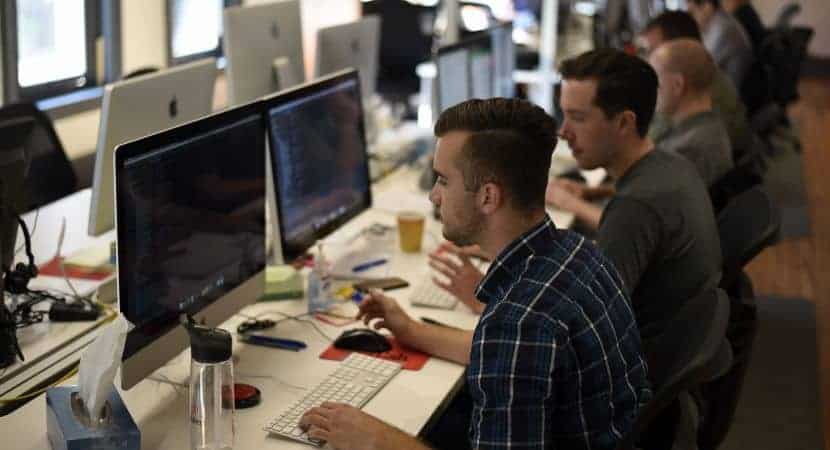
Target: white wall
(814, 13)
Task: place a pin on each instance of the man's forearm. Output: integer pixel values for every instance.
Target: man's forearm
(446, 343)
(396, 439)
(588, 213)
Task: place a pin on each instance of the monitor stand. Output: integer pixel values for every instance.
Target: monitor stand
(284, 77)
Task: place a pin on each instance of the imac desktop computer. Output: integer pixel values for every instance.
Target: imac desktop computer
(480, 66)
(140, 106)
(351, 45)
(190, 205)
(263, 47)
(318, 161)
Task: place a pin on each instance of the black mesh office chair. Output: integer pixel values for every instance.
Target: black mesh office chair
(748, 224)
(748, 172)
(689, 353)
(140, 71)
(50, 174)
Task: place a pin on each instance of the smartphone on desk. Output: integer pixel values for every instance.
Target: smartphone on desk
(386, 284)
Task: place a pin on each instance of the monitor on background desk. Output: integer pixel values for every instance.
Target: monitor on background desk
(480, 66)
(319, 161)
(351, 45)
(140, 106)
(263, 47)
(191, 232)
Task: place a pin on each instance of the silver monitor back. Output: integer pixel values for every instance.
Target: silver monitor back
(140, 106)
(263, 47)
(355, 44)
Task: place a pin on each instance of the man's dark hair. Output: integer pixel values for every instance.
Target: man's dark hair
(510, 144)
(675, 25)
(624, 83)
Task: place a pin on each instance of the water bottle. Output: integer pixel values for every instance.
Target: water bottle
(319, 284)
(211, 388)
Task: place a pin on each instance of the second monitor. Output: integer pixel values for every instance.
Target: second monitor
(348, 45)
(140, 106)
(318, 160)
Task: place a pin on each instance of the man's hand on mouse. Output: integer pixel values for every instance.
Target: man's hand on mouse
(390, 315)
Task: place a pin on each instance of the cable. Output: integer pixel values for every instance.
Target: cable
(66, 377)
(34, 229)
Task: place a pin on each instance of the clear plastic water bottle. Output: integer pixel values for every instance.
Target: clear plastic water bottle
(211, 388)
(319, 284)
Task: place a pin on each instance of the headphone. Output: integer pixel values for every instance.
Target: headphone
(17, 279)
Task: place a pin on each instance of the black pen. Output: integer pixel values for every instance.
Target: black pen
(435, 322)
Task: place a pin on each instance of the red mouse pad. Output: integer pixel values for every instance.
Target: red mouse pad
(412, 359)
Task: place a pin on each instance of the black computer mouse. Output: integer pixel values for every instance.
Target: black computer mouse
(363, 340)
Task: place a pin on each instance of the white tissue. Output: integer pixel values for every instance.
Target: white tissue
(99, 364)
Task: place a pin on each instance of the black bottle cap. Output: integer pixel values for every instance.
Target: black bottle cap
(209, 345)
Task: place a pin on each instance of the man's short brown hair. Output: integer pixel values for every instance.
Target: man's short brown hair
(511, 144)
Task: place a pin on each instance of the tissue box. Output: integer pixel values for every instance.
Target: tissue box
(66, 432)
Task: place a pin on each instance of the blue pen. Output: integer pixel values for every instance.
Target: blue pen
(268, 341)
(368, 265)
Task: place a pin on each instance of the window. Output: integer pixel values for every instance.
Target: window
(194, 29)
(50, 47)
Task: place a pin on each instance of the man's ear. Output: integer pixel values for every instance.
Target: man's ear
(627, 122)
(490, 198)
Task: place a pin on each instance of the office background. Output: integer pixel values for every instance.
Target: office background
(798, 268)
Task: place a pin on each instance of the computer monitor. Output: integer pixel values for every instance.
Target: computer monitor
(453, 72)
(140, 106)
(318, 160)
(353, 45)
(263, 47)
(190, 205)
(504, 52)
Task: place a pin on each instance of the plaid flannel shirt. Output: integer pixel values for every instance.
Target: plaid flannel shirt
(556, 360)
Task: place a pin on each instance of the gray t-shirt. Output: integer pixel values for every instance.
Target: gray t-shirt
(703, 140)
(727, 42)
(659, 230)
(728, 105)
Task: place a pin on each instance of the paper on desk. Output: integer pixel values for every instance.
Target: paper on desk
(397, 200)
(99, 363)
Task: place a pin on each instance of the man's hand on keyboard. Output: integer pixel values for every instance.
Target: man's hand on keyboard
(462, 277)
(347, 428)
(392, 317)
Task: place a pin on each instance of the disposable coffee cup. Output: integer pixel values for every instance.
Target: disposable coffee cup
(410, 231)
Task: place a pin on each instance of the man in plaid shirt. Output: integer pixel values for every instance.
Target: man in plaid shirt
(555, 360)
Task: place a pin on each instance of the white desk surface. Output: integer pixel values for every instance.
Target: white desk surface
(407, 402)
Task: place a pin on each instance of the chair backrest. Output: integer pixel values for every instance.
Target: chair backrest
(749, 223)
(782, 54)
(405, 37)
(786, 15)
(50, 175)
(748, 172)
(683, 357)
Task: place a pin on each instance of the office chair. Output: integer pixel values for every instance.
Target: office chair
(50, 176)
(748, 224)
(786, 15)
(675, 369)
(748, 172)
(406, 32)
(139, 72)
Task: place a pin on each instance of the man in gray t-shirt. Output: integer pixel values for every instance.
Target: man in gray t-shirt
(725, 39)
(686, 73)
(659, 229)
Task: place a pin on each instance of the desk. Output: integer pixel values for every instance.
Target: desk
(161, 410)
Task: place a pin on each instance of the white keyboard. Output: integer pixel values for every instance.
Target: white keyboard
(355, 381)
(428, 294)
